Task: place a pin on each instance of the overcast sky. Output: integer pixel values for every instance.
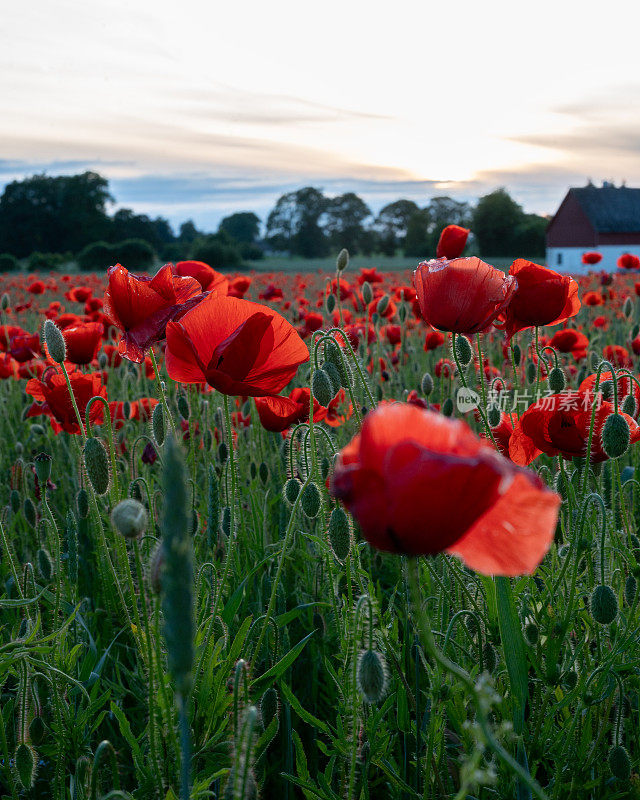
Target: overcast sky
(198, 109)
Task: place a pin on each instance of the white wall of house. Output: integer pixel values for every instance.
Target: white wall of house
(569, 259)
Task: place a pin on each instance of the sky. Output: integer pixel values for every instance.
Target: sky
(198, 109)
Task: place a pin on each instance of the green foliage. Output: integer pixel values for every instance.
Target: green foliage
(8, 263)
(95, 257)
(217, 250)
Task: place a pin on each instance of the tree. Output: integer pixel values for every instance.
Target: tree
(293, 224)
(343, 221)
(495, 220)
(417, 242)
(216, 250)
(392, 222)
(446, 211)
(244, 226)
(530, 236)
(126, 224)
(188, 232)
(53, 214)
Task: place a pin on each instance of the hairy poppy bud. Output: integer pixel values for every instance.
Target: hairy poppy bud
(629, 405)
(463, 350)
(26, 760)
(531, 371)
(158, 428)
(183, 406)
(14, 500)
(367, 292)
(604, 605)
(55, 341)
(493, 415)
(630, 590)
(263, 472)
(339, 533)
(45, 564)
(269, 706)
(620, 763)
(82, 502)
(223, 453)
(333, 373)
(29, 510)
(556, 380)
(371, 676)
(292, 490)
(129, 518)
(342, 262)
(96, 462)
(311, 500)
(517, 354)
(325, 468)
(330, 303)
(43, 467)
(489, 657)
(322, 389)
(36, 730)
(5, 302)
(531, 633)
(616, 435)
(383, 304)
(447, 407)
(627, 308)
(426, 384)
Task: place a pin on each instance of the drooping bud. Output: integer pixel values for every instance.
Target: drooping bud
(157, 424)
(55, 342)
(45, 564)
(604, 605)
(334, 376)
(42, 464)
(310, 500)
(493, 415)
(426, 384)
(129, 518)
(96, 462)
(342, 262)
(620, 763)
(26, 760)
(322, 389)
(629, 405)
(82, 503)
(556, 380)
(292, 490)
(447, 407)
(463, 350)
(615, 435)
(269, 706)
(371, 676)
(630, 590)
(339, 533)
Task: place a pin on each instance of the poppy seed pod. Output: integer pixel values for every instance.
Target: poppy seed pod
(367, 292)
(463, 350)
(556, 380)
(342, 262)
(339, 533)
(96, 462)
(321, 386)
(129, 518)
(42, 464)
(292, 490)
(620, 763)
(311, 500)
(158, 428)
(604, 605)
(26, 760)
(426, 384)
(371, 676)
(616, 436)
(55, 341)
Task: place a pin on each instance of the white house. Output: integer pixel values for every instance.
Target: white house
(605, 219)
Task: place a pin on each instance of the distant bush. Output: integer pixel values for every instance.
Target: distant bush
(8, 263)
(134, 254)
(173, 252)
(38, 262)
(251, 252)
(216, 253)
(96, 257)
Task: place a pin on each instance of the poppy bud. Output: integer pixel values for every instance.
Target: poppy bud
(371, 676)
(4, 303)
(263, 472)
(606, 387)
(629, 405)
(447, 407)
(531, 633)
(331, 303)
(269, 706)
(223, 453)
(158, 428)
(183, 406)
(322, 389)
(253, 471)
(594, 360)
(604, 605)
(45, 564)
(325, 468)
(615, 435)
(531, 372)
(14, 500)
(489, 657)
(627, 308)
(333, 355)
(635, 331)
(226, 521)
(82, 502)
(335, 379)
(493, 415)
(43, 467)
(556, 380)
(342, 262)
(36, 730)
(383, 304)
(517, 355)
(620, 763)
(103, 360)
(311, 500)
(339, 533)
(129, 518)
(463, 350)
(55, 341)
(292, 490)
(29, 510)
(207, 439)
(630, 590)
(26, 760)
(426, 384)
(96, 462)
(367, 292)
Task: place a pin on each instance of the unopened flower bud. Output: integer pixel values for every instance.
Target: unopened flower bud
(55, 342)
(447, 407)
(517, 354)
(129, 518)
(615, 435)
(5, 302)
(29, 510)
(43, 467)
(426, 384)
(322, 388)
(531, 371)
(367, 292)
(310, 500)
(604, 605)
(627, 308)
(183, 406)
(96, 462)
(333, 374)
(630, 590)
(26, 760)
(263, 472)
(330, 303)
(493, 415)
(292, 490)
(620, 763)
(82, 503)
(342, 262)
(269, 706)
(463, 350)
(383, 304)
(371, 676)
(45, 564)
(556, 380)
(158, 428)
(339, 533)
(629, 405)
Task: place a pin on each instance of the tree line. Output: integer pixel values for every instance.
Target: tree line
(51, 220)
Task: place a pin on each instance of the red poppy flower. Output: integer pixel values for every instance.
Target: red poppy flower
(141, 306)
(420, 483)
(277, 414)
(625, 386)
(542, 297)
(52, 396)
(238, 286)
(8, 366)
(452, 242)
(433, 340)
(24, 346)
(238, 347)
(37, 287)
(272, 292)
(559, 425)
(628, 261)
(207, 277)
(79, 294)
(571, 341)
(464, 295)
(143, 408)
(593, 299)
(617, 355)
(592, 257)
(370, 275)
(83, 342)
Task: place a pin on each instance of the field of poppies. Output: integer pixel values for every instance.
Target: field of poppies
(356, 535)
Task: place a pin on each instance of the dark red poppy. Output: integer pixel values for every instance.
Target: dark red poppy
(617, 355)
(8, 366)
(452, 242)
(464, 295)
(420, 483)
(591, 257)
(559, 425)
(52, 396)
(83, 342)
(79, 294)
(571, 341)
(238, 347)
(593, 298)
(629, 261)
(238, 286)
(24, 346)
(141, 306)
(143, 408)
(625, 386)
(433, 340)
(542, 297)
(207, 277)
(277, 413)
(37, 287)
